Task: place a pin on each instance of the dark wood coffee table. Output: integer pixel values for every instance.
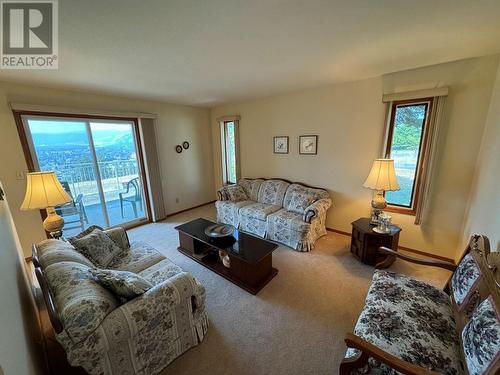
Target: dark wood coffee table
(251, 264)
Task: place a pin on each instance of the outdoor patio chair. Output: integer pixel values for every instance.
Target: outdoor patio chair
(73, 208)
(134, 198)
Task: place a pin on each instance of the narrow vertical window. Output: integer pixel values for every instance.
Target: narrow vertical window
(229, 145)
(406, 142)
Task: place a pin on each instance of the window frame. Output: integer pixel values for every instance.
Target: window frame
(32, 163)
(422, 150)
(224, 148)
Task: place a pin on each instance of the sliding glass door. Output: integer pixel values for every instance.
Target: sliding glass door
(97, 161)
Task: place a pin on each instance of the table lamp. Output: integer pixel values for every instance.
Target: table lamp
(382, 178)
(44, 191)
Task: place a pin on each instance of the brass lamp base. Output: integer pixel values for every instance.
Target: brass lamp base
(53, 223)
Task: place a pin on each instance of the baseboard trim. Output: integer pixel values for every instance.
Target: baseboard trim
(404, 248)
(191, 208)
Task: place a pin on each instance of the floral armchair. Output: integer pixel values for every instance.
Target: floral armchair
(106, 335)
(290, 213)
(410, 327)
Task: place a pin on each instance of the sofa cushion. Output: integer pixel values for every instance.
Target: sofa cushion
(298, 195)
(481, 339)
(228, 211)
(272, 192)
(55, 251)
(258, 211)
(411, 320)
(137, 258)
(97, 246)
(161, 271)
(251, 187)
(284, 219)
(121, 283)
(464, 279)
(299, 201)
(81, 302)
(236, 193)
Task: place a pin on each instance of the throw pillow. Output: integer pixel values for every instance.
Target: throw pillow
(122, 283)
(96, 246)
(236, 193)
(299, 201)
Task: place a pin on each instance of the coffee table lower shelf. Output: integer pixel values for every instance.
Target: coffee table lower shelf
(213, 263)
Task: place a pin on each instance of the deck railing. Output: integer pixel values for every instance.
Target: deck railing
(82, 178)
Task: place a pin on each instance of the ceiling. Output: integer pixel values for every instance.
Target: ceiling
(214, 51)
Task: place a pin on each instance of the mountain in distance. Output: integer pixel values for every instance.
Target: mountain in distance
(79, 138)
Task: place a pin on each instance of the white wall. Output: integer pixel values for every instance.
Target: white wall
(18, 321)
(187, 176)
(349, 119)
(484, 211)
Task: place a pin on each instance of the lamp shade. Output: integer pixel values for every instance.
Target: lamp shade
(43, 190)
(382, 176)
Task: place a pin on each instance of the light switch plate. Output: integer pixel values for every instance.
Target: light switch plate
(19, 176)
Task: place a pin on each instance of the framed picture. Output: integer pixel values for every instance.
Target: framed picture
(280, 144)
(308, 144)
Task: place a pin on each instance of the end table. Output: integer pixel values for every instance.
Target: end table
(365, 242)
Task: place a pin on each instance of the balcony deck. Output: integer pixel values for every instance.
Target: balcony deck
(95, 216)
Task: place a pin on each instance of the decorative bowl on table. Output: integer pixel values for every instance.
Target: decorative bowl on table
(219, 230)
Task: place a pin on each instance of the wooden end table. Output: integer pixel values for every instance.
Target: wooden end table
(365, 243)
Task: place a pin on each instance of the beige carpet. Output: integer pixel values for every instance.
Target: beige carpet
(295, 325)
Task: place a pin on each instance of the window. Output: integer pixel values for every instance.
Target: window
(406, 143)
(229, 145)
(97, 160)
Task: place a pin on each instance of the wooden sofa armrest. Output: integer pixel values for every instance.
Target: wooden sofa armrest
(392, 254)
(369, 350)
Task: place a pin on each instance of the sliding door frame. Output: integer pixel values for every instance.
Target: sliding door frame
(32, 165)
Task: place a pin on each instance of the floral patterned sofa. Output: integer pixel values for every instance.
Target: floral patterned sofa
(106, 336)
(290, 213)
(410, 327)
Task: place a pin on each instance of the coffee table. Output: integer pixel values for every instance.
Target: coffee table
(251, 262)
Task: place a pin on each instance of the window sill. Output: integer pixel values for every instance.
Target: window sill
(400, 210)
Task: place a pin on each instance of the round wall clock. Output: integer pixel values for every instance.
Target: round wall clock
(185, 144)
(178, 148)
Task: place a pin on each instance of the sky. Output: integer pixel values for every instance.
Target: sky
(64, 126)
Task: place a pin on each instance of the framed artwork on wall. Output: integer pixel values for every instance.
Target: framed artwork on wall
(280, 144)
(308, 144)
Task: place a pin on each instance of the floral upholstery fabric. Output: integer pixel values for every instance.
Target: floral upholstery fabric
(236, 193)
(121, 283)
(81, 302)
(119, 236)
(481, 339)
(299, 202)
(251, 188)
(253, 217)
(55, 251)
(290, 229)
(141, 336)
(299, 197)
(411, 320)
(464, 279)
(272, 192)
(160, 272)
(228, 212)
(258, 211)
(98, 247)
(298, 228)
(145, 334)
(137, 258)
